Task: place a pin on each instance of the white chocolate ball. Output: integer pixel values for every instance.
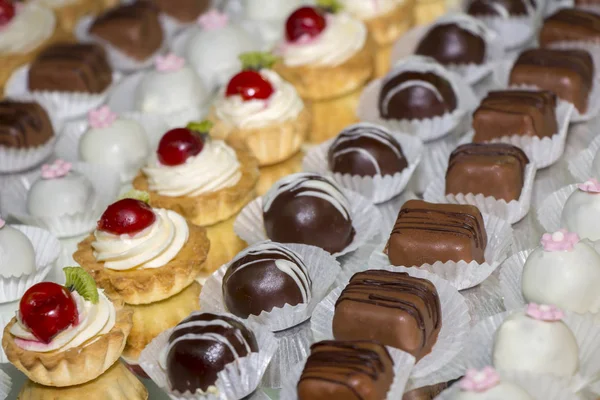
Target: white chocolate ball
(502, 391)
(540, 347)
(17, 256)
(581, 214)
(69, 194)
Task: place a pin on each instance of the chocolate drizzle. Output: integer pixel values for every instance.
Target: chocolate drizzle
(24, 124)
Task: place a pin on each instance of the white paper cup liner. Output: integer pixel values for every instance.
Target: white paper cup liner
(379, 188)
(117, 59)
(47, 248)
(511, 275)
(585, 328)
(403, 364)
(433, 163)
(356, 261)
(322, 270)
(580, 166)
(5, 385)
(249, 225)
(484, 300)
(389, 213)
(550, 210)
(452, 337)
(122, 101)
(539, 387)
(238, 379)
(516, 31)
(425, 129)
(463, 275)
(68, 105)
(512, 211)
(106, 184)
(7, 312)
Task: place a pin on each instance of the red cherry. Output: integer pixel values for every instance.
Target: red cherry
(126, 216)
(7, 11)
(177, 145)
(250, 85)
(304, 21)
(48, 309)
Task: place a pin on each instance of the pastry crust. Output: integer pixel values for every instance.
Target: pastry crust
(225, 244)
(427, 11)
(210, 208)
(270, 144)
(271, 174)
(68, 15)
(75, 366)
(150, 320)
(330, 117)
(117, 383)
(316, 83)
(143, 286)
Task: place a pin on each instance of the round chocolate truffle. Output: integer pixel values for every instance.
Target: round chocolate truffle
(415, 95)
(201, 345)
(264, 276)
(366, 150)
(308, 209)
(458, 42)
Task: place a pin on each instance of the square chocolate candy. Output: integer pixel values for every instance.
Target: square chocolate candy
(24, 124)
(570, 24)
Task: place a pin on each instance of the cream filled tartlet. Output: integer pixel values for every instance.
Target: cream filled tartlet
(143, 254)
(258, 107)
(204, 179)
(66, 335)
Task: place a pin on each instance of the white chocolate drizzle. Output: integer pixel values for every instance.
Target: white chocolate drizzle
(407, 85)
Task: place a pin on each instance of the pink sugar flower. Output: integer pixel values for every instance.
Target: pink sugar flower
(169, 63)
(101, 118)
(544, 312)
(561, 240)
(213, 19)
(479, 381)
(591, 186)
(58, 169)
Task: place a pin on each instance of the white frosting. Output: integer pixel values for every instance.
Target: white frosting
(94, 320)
(581, 213)
(283, 105)
(308, 184)
(216, 167)
(66, 195)
(526, 344)
(502, 391)
(31, 26)
(168, 92)
(123, 147)
(17, 256)
(267, 10)
(367, 9)
(567, 279)
(342, 38)
(153, 247)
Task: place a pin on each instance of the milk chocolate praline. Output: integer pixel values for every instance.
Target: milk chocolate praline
(24, 124)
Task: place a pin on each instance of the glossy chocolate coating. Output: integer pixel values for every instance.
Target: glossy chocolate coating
(335, 370)
(71, 67)
(207, 342)
(425, 233)
(185, 11)
(366, 150)
(24, 124)
(309, 209)
(570, 24)
(415, 95)
(264, 276)
(134, 29)
(493, 169)
(426, 392)
(452, 44)
(567, 73)
(498, 8)
(393, 308)
(515, 112)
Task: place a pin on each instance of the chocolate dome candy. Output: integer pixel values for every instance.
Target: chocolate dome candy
(201, 345)
(309, 209)
(366, 150)
(264, 276)
(415, 95)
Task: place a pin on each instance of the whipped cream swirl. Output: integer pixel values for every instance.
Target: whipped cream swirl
(367, 9)
(94, 320)
(29, 28)
(283, 105)
(216, 167)
(153, 247)
(343, 37)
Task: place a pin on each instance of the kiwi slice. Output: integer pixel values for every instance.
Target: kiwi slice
(136, 194)
(80, 281)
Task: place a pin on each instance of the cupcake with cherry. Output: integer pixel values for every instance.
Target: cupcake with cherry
(327, 55)
(259, 108)
(142, 253)
(204, 179)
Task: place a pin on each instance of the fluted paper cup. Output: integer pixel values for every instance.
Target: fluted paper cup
(550, 211)
(515, 31)
(511, 277)
(389, 213)
(7, 313)
(581, 166)
(5, 385)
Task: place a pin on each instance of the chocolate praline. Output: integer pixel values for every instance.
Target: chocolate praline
(264, 276)
(24, 124)
(201, 346)
(458, 42)
(366, 150)
(309, 209)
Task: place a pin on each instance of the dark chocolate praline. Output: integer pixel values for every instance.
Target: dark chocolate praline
(453, 43)
(366, 150)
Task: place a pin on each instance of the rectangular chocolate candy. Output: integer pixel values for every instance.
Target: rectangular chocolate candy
(515, 112)
(24, 124)
(567, 73)
(493, 169)
(346, 370)
(426, 232)
(393, 308)
(570, 24)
